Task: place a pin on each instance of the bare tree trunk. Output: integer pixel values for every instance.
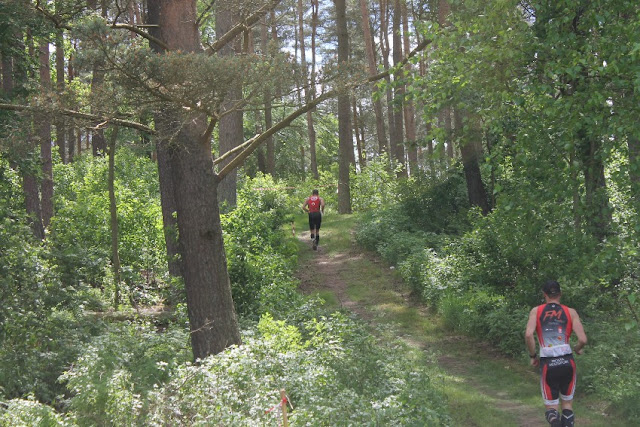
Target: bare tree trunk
(230, 130)
(633, 143)
(61, 130)
(399, 89)
(344, 126)
(212, 316)
(356, 131)
(113, 212)
(98, 142)
(311, 132)
(381, 132)
(44, 134)
(269, 161)
(384, 44)
(409, 108)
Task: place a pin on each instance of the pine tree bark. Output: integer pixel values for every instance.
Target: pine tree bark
(344, 120)
(381, 132)
(386, 50)
(212, 316)
(44, 134)
(113, 213)
(409, 109)
(399, 89)
(311, 132)
(61, 130)
(230, 127)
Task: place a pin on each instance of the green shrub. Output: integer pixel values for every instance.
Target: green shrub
(118, 369)
(80, 231)
(31, 413)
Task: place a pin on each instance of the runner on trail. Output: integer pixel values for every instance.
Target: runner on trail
(314, 206)
(553, 323)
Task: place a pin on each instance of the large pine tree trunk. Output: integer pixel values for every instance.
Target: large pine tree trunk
(381, 132)
(344, 119)
(269, 161)
(212, 316)
(98, 141)
(386, 50)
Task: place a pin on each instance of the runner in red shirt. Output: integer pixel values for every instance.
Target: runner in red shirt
(314, 206)
(553, 324)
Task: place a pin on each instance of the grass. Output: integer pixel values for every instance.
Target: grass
(482, 386)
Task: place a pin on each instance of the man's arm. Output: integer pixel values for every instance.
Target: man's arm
(322, 204)
(305, 204)
(579, 330)
(529, 338)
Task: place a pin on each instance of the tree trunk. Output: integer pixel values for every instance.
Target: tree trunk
(344, 121)
(212, 316)
(399, 89)
(356, 131)
(98, 142)
(633, 143)
(470, 163)
(409, 109)
(311, 132)
(384, 44)
(113, 212)
(598, 210)
(269, 166)
(61, 129)
(230, 130)
(381, 132)
(44, 134)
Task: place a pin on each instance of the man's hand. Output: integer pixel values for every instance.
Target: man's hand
(535, 361)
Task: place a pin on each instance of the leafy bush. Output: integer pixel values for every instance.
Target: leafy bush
(118, 369)
(80, 231)
(30, 413)
(438, 206)
(338, 358)
(374, 187)
(260, 256)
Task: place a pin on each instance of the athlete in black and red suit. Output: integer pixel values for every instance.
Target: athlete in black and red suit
(553, 324)
(314, 205)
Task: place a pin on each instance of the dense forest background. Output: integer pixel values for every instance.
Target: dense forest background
(153, 154)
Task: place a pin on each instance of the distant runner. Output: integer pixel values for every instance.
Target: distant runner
(314, 206)
(553, 323)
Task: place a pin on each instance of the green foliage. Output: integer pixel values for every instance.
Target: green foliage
(31, 413)
(437, 206)
(39, 325)
(608, 366)
(110, 381)
(259, 255)
(80, 231)
(374, 187)
(338, 358)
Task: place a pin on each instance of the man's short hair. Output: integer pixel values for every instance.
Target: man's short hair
(314, 192)
(551, 288)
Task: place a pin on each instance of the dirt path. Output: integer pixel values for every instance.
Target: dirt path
(325, 272)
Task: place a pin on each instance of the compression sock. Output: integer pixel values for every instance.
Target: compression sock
(312, 236)
(567, 418)
(553, 418)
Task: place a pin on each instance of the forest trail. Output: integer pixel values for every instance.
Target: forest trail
(482, 387)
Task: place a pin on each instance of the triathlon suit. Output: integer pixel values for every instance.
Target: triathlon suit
(558, 369)
(315, 217)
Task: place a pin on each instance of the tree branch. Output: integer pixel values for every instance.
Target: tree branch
(84, 116)
(138, 31)
(242, 26)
